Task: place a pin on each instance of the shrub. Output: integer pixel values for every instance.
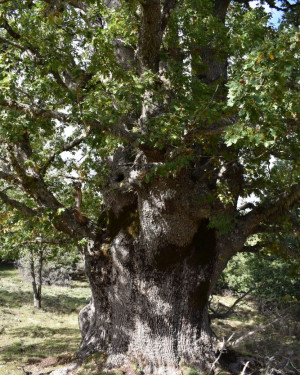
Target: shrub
(273, 278)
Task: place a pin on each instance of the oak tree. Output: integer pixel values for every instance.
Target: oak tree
(170, 114)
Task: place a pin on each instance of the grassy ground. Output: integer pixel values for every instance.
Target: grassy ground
(36, 341)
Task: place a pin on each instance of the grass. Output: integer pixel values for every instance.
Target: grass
(38, 341)
(30, 337)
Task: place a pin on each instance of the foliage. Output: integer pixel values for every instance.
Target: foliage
(58, 61)
(40, 257)
(273, 278)
(22, 240)
(20, 236)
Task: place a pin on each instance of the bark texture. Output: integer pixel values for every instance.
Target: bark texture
(152, 283)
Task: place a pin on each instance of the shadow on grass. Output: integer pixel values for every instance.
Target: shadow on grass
(64, 304)
(60, 303)
(15, 299)
(54, 343)
(38, 331)
(7, 271)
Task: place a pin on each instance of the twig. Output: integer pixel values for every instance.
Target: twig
(244, 369)
(42, 241)
(231, 308)
(223, 348)
(209, 103)
(70, 177)
(7, 188)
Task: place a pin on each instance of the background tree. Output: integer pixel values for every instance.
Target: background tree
(32, 243)
(169, 113)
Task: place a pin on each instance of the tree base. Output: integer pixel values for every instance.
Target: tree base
(156, 354)
(37, 303)
(229, 363)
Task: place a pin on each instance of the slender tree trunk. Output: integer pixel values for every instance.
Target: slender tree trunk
(36, 275)
(37, 302)
(39, 278)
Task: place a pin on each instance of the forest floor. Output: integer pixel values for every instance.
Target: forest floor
(37, 341)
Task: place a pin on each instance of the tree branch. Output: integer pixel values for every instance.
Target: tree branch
(257, 329)
(14, 44)
(66, 147)
(34, 184)
(291, 253)
(74, 3)
(150, 35)
(9, 177)
(45, 241)
(4, 24)
(220, 9)
(70, 82)
(262, 228)
(169, 6)
(288, 6)
(252, 249)
(16, 165)
(34, 111)
(216, 128)
(224, 315)
(17, 205)
(259, 247)
(268, 210)
(64, 220)
(246, 206)
(119, 130)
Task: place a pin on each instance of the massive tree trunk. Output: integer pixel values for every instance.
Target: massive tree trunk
(151, 285)
(152, 314)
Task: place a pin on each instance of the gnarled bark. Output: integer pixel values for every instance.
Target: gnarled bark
(151, 284)
(148, 311)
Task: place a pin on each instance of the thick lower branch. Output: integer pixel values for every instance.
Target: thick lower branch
(21, 207)
(9, 177)
(223, 315)
(33, 111)
(268, 211)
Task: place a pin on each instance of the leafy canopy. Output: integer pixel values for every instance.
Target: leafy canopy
(67, 102)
